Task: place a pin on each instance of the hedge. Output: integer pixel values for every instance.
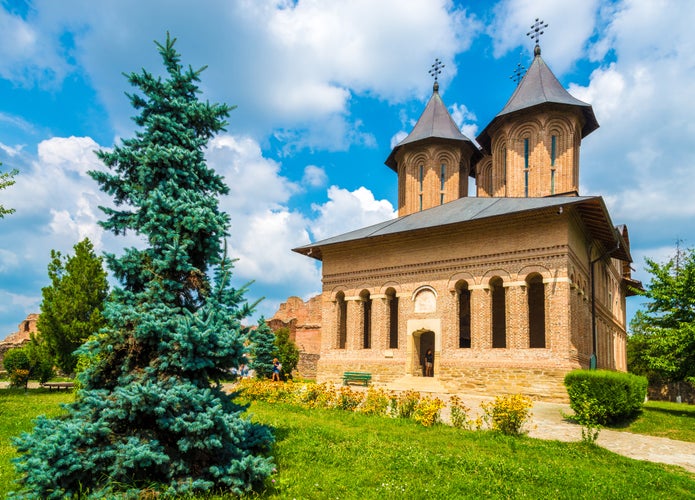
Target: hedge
(605, 397)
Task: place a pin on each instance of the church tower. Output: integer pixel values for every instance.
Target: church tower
(532, 145)
(434, 161)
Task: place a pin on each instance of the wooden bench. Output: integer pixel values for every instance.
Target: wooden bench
(58, 385)
(362, 377)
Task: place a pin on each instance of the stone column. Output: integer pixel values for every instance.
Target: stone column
(481, 317)
(355, 323)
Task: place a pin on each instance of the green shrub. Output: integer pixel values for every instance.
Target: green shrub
(427, 411)
(403, 405)
(507, 414)
(605, 397)
(376, 402)
(18, 366)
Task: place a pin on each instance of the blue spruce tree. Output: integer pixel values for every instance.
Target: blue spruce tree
(263, 350)
(151, 412)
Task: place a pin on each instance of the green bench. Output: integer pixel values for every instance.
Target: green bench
(362, 377)
(58, 385)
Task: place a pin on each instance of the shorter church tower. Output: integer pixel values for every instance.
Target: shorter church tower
(434, 161)
(533, 144)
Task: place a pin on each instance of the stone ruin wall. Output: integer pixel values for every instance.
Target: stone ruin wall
(18, 338)
(303, 319)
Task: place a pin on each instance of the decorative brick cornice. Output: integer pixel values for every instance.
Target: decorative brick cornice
(478, 262)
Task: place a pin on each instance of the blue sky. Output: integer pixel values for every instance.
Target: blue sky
(324, 90)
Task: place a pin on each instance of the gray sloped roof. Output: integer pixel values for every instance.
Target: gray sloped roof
(591, 209)
(434, 123)
(538, 87)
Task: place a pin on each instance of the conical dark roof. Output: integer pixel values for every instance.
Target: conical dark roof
(434, 123)
(538, 87)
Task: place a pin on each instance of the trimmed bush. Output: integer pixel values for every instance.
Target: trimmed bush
(605, 397)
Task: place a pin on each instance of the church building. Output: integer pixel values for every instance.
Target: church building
(509, 289)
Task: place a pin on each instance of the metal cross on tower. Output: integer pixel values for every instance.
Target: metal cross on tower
(436, 69)
(518, 73)
(537, 30)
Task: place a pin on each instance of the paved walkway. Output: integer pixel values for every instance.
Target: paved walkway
(547, 422)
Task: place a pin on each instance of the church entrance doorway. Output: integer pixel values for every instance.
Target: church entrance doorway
(424, 343)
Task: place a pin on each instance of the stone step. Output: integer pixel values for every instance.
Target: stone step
(419, 384)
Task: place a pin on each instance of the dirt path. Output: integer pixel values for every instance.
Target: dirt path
(547, 422)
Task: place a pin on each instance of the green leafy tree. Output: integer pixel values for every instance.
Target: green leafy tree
(662, 340)
(151, 413)
(6, 180)
(40, 359)
(263, 350)
(18, 366)
(73, 304)
(287, 350)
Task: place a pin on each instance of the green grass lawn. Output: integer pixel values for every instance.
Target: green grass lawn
(663, 419)
(17, 411)
(334, 454)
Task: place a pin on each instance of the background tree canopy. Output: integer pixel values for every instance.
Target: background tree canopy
(73, 304)
(662, 341)
(6, 180)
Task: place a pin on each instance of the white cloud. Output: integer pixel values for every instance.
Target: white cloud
(314, 176)
(305, 60)
(639, 159)
(349, 210)
(27, 55)
(570, 25)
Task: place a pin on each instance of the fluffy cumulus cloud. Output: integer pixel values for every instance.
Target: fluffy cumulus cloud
(348, 210)
(291, 66)
(642, 99)
(570, 25)
(314, 176)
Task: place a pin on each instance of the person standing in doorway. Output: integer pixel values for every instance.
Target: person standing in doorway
(429, 363)
(276, 370)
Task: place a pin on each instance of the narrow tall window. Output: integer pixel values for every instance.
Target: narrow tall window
(464, 296)
(526, 168)
(526, 153)
(536, 311)
(553, 157)
(442, 181)
(504, 172)
(367, 320)
(499, 320)
(421, 176)
(393, 319)
(342, 321)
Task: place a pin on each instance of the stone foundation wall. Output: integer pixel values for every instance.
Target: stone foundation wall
(540, 384)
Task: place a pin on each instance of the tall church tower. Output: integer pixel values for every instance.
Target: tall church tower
(434, 161)
(532, 145)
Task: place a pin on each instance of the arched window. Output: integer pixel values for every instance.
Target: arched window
(393, 318)
(366, 320)
(341, 319)
(499, 320)
(464, 313)
(536, 311)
